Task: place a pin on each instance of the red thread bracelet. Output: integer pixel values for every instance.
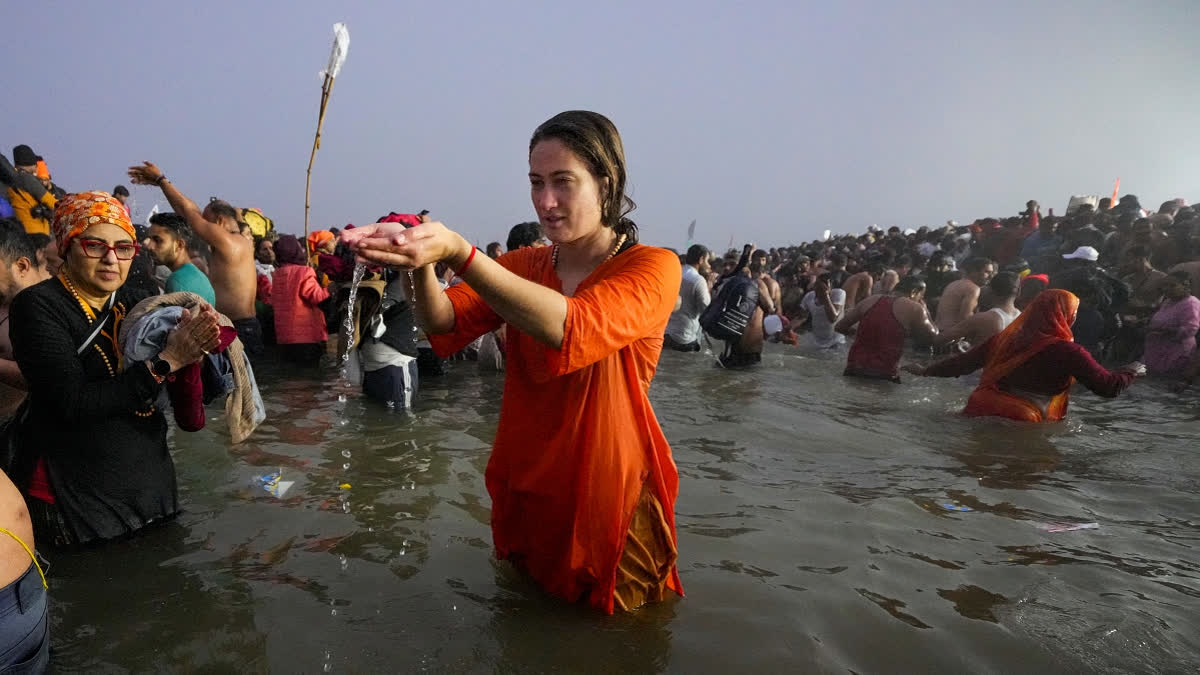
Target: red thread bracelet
(467, 264)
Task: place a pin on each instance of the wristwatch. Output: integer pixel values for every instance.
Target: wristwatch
(160, 369)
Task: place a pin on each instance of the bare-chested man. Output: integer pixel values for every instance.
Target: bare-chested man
(859, 286)
(759, 272)
(979, 327)
(961, 297)
(747, 351)
(231, 267)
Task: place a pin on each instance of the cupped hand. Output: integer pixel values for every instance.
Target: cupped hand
(395, 246)
(147, 174)
(197, 334)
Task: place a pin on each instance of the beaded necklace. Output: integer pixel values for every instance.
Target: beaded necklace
(90, 315)
(611, 255)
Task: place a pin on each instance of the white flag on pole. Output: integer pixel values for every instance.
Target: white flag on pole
(341, 45)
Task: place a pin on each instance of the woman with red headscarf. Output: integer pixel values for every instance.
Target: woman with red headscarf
(1028, 369)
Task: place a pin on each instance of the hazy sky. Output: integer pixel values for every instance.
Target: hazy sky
(762, 120)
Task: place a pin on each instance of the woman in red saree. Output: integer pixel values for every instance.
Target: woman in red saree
(581, 478)
(1029, 368)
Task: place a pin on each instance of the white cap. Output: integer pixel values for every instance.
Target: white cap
(1083, 253)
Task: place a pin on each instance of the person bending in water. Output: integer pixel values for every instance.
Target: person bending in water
(582, 481)
(1028, 369)
(977, 328)
(883, 322)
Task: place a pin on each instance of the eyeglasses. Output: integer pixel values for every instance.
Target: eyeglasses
(94, 248)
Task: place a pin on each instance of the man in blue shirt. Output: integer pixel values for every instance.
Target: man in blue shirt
(168, 243)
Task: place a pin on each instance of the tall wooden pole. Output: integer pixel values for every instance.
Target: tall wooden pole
(326, 89)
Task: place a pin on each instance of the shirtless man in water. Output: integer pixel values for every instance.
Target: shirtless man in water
(961, 297)
(979, 327)
(859, 286)
(231, 267)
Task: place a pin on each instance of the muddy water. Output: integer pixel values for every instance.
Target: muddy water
(825, 525)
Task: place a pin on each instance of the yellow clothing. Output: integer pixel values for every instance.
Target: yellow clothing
(23, 203)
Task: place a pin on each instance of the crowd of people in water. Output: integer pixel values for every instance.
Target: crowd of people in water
(106, 327)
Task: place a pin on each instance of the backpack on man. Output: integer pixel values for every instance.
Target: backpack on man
(730, 312)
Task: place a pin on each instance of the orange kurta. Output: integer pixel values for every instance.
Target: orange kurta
(577, 439)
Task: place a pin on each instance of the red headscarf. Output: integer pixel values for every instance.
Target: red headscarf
(1045, 321)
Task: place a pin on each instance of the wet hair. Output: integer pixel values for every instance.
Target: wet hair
(223, 209)
(1005, 284)
(976, 264)
(15, 244)
(120, 191)
(696, 253)
(175, 224)
(595, 140)
(909, 285)
(522, 235)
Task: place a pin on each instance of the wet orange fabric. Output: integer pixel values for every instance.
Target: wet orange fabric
(578, 441)
(1046, 321)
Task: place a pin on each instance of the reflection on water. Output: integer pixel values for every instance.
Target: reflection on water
(825, 524)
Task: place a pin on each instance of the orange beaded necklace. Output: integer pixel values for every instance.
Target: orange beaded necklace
(118, 314)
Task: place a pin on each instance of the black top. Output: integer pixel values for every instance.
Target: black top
(109, 468)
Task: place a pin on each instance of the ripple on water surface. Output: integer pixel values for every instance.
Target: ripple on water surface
(825, 524)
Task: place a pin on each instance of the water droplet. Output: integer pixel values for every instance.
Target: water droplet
(404, 543)
(346, 466)
(391, 405)
(403, 551)
(346, 454)
(345, 563)
(341, 398)
(370, 529)
(454, 607)
(345, 507)
(333, 612)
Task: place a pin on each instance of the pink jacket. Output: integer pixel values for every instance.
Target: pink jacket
(295, 295)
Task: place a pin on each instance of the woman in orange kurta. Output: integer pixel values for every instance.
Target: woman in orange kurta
(582, 480)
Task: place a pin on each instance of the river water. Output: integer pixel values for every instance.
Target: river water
(820, 530)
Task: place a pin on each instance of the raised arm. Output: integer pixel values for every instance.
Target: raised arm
(212, 233)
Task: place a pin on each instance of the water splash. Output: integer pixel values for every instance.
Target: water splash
(348, 326)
